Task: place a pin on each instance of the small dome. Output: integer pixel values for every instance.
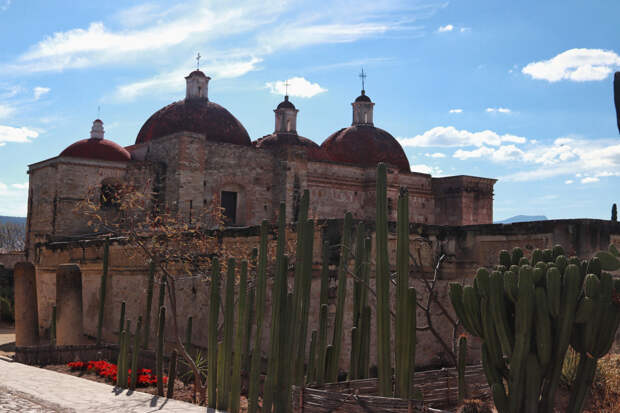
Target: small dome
(95, 148)
(197, 115)
(286, 104)
(197, 73)
(365, 145)
(363, 97)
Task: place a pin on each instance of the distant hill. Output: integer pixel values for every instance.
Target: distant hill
(14, 220)
(522, 218)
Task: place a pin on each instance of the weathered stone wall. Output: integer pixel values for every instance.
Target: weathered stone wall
(463, 200)
(467, 247)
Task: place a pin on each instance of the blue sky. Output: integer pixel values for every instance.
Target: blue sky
(519, 91)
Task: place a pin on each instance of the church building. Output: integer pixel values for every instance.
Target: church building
(194, 152)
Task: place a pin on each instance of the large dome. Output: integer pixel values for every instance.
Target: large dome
(96, 147)
(197, 115)
(365, 145)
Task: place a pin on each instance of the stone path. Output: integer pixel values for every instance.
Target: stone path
(30, 389)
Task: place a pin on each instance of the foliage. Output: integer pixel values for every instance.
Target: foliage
(109, 371)
(569, 367)
(606, 389)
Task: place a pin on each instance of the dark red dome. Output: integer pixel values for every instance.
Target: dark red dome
(195, 115)
(276, 141)
(365, 145)
(102, 149)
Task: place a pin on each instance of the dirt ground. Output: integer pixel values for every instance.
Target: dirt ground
(7, 340)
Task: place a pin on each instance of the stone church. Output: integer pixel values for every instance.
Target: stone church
(194, 152)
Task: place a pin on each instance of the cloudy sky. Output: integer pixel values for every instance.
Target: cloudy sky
(519, 91)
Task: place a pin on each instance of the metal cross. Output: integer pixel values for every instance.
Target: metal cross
(98, 112)
(363, 77)
(198, 61)
(286, 85)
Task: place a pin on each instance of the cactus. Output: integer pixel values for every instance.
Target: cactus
(102, 288)
(298, 282)
(322, 357)
(134, 355)
(121, 371)
(402, 379)
(121, 326)
(365, 344)
(382, 276)
(462, 358)
(214, 312)
(311, 374)
(149, 303)
(229, 323)
(609, 262)
(159, 362)
(235, 392)
(172, 373)
(555, 305)
(260, 311)
(53, 326)
(342, 291)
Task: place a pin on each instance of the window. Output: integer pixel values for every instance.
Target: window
(110, 195)
(229, 207)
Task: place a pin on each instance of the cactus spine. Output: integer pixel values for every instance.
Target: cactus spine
(382, 276)
(260, 311)
(214, 312)
(462, 358)
(149, 303)
(159, 363)
(235, 392)
(102, 288)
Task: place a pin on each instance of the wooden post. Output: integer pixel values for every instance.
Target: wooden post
(69, 326)
(26, 310)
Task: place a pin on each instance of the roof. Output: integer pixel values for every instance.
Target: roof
(363, 97)
(101, 149)
(198, 116)
(365, 145)
(286, 104)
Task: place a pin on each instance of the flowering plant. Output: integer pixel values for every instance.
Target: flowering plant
(109, 371)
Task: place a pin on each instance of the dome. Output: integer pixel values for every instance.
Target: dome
(286, 104)
(365, 145)
(363, 97)
(277, 140)
(94, 148)
(197, 115)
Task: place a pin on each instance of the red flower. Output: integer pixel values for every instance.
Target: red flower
(77, 365)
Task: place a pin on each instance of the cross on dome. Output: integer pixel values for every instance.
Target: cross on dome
(198, 61)
(363, 76)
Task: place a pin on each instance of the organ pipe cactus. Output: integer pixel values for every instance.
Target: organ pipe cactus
(558, 302)
(134, 355)
(149, 303)
(214, 312)
(172, 374)
(102, 288)
(121, 326)
(229, 320)
(235, 391)
(382, 277)
(159, 362)
(260, 311)
(462, 357)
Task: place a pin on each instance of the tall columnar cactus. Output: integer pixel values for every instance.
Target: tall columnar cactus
(322, 346)
(121, 326)
(558, 302)
(102, 287)
(149, 303)
(343, 264)
(261, 285)
(382, 276)
(235, 391)
(121, 371)
(214, 313)
(172, 373)
(53, 326)
(298, 280)
(305, 301)
(134, 355)
(159, 361)
(229, 323)
(462, 359)
(312, 354)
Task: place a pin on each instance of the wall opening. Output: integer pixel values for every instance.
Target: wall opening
(229, 207)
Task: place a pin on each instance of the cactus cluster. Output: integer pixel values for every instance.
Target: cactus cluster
(528, 311)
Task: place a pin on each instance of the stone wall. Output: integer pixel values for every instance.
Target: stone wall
(467, 247)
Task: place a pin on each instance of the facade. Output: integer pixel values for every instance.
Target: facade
(188, 155)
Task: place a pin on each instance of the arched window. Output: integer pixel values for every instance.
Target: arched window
(109, 197)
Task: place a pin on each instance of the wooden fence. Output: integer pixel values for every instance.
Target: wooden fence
(438, 387)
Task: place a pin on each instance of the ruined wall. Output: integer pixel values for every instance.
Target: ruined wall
(463, 200)
(467, 247)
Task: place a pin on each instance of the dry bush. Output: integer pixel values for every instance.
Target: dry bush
(606, 388)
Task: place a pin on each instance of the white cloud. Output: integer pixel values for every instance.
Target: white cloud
(448, 136)
(589, 180)
(446, 28)
(498, 110)
(14, 199)
(175, 80)
(435, 155)
(40, 91)
(5, 4)
(6, 111)
(297, 86)
(569, 181)
(19, 135)
(456, 110)
(577, 65)
(427, 169)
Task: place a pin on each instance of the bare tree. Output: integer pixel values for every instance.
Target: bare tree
(12, 236)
